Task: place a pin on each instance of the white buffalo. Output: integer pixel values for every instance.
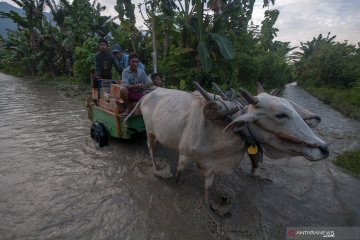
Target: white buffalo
(183, 121)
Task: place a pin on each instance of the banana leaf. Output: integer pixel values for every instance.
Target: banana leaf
(224, 45)
(204, 56)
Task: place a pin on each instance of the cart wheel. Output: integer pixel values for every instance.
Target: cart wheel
(99, 134)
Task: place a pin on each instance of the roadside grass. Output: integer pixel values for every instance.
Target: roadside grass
(70, 86)
(11, 71)
(349, 161)
(346, 101)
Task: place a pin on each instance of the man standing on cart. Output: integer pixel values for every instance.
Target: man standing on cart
(134, 81)
(104, 61)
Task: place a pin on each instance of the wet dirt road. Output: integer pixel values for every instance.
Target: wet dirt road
(56, 184)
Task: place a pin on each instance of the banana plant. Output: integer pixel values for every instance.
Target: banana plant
(31, 23)
(126, 15)
(239, 12)
(206, 39)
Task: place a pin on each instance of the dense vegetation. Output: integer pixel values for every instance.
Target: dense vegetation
(331, 71)
(190, 42)
(186, 40)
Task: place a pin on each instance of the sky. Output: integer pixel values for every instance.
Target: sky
(299, 20)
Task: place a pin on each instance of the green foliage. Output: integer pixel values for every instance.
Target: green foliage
(39, 47)
(331, 71)
(85, 59)
(192, 44)
(325, 63)
(224, 45)
(9, 61)
(176, 72)
(204, 56)
(221, 48)
(126, 33)
(349, 161)
(268, 32)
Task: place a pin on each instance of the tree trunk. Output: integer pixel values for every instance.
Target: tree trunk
(154, 56)
(165, 44)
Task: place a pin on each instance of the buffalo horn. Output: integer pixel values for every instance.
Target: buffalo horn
(221, 93)
(248, 97)
(202, 91)
(260, 87)
(276, 91)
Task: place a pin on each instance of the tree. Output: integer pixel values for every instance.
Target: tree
(203, 40)
(324, 62)
(268, 32)
(46, 47)
(127, 19)
(30, 24)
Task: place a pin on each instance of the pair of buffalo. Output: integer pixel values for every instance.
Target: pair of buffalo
(197, 128)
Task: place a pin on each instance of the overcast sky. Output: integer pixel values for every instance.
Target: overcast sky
(299, 20)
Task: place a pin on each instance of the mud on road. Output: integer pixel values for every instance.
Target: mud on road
(56, 184)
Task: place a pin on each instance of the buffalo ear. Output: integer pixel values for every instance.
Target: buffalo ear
(212, 111)
(311, 119)
(240, 121)
(259, 87)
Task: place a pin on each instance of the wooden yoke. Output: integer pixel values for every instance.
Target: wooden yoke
(216, 109)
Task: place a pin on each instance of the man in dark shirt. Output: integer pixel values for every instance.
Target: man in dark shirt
(104, 61)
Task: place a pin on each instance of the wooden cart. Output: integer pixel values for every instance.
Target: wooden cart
(108, 122)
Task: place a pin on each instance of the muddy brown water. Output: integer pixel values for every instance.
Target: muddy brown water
(56, 184)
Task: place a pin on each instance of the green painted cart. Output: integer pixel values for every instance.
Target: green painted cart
(110, 123)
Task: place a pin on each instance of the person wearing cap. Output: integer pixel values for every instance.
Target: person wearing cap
(122, 58)
(134, 81)
(104, 61)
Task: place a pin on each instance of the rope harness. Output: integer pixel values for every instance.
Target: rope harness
(253, 147)
(240, 104)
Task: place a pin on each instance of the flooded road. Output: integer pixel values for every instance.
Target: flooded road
(56, 184)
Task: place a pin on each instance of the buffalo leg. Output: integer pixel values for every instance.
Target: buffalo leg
(151, 141)
(180, 167)
(209, 178)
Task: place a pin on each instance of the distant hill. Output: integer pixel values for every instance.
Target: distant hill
(7, 24)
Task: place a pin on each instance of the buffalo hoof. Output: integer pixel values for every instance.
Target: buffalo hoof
(164, 172)
(222, 204)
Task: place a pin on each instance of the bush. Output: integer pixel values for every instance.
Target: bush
(349, 161)
(346, 101)
(85, 59)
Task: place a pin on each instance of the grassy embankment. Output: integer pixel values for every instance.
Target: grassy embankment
(349, 161)
(347, 102)
(70, 86)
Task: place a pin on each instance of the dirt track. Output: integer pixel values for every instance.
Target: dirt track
(55, 184)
